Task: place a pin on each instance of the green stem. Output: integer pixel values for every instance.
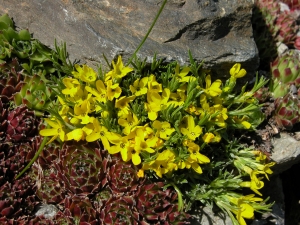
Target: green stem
(34, 158)
(180, 199)
(146, 36)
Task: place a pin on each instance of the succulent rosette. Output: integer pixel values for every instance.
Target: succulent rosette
(285, 72)
(49, 186)
(287, 111)
(122, 177)
(157, 204)
(10, 78)
(77, 210)
(34, 93)
(17, 200)
(81, 168)
(120, 211)
(22, 124)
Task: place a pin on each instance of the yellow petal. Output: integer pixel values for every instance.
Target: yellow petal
(196, 167)
(52, 123)
(247, 211)
(76, 134)
(48, 132)
(241, 73)
(113, 149)
(136, 159)
(236, 67)
(152, 115)
(105, 142)
(208, 81)
(93, 137)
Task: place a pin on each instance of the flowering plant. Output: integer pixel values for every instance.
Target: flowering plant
(158, 118)
(165, 119)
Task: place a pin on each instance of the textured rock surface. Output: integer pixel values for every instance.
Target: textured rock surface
(218, 32)
(47, 211)
(286, 152)
(206, 216)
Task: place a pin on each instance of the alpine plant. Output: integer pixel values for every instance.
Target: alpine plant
(157, 123)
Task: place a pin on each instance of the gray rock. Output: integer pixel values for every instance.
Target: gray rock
(206, 216)
(286, 152)
(48, 211)
(218, 32)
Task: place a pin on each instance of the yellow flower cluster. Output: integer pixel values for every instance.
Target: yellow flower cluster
(101, 108)
(253, 163)
(243, 207)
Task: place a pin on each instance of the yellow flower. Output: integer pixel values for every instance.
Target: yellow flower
(221, 116)
(139, 86)
(237, 72)
(100, 93)
(208, 137)
(81, 111)
(245, 209)
(73, 88)
(265, 169)
(191, 131)
(95, 132)
(192, 109)
(123, 104)
(156, 102)
(63, 112)
(203, 102)
(144, 145)
(212, 89)
(182, 74)
(57, 130)
(140, 173)
(153, 85)
(113, 90)
(253, 185)
(129, 122)
(85, 73)
(243, 121)
(195, 157)
(260, 156)
(119, 70)
(163, 129)
(178, 98)
(163, 164)
(125, 146)
(77, 135)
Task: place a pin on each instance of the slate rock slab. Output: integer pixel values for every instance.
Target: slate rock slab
(216, 31)
(286, 152)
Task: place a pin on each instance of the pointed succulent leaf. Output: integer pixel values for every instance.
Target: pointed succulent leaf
(7, 20)
(10, 34)
(24, 35)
